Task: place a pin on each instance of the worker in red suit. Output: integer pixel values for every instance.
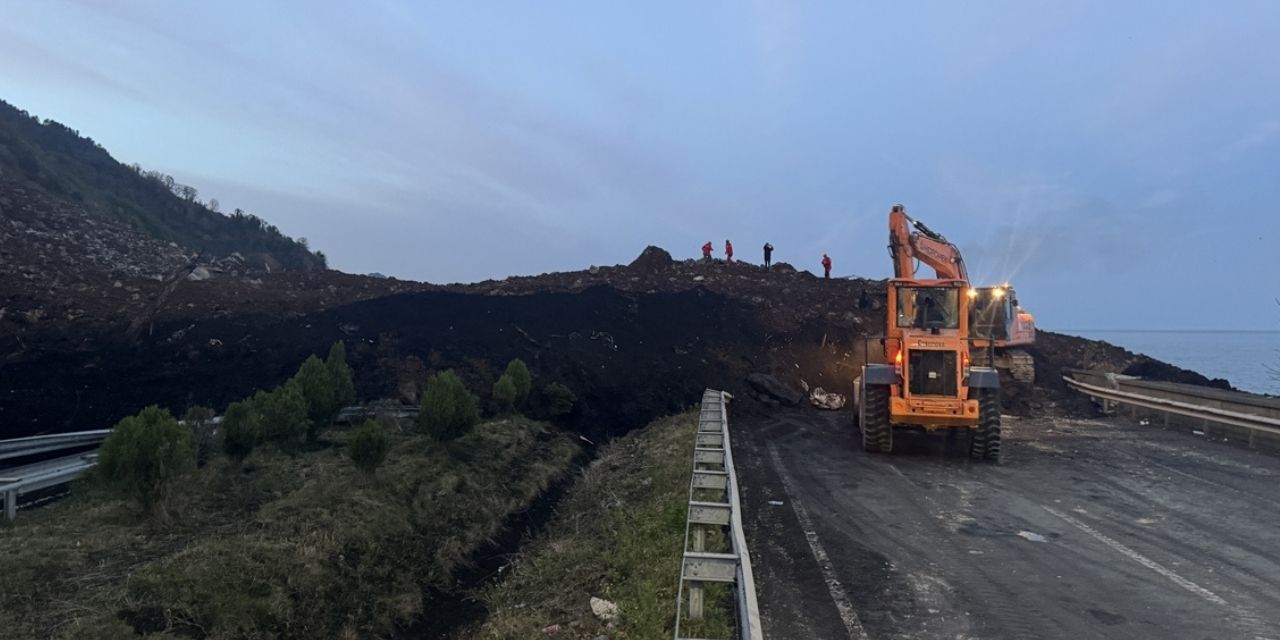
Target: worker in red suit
(728, 251)
(706, 251)
(826, 266)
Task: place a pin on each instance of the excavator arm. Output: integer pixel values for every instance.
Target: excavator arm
(923, 244)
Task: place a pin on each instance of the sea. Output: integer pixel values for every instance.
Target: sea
(1250, 360)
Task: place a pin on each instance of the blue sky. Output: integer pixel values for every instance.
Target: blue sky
(1119, 162)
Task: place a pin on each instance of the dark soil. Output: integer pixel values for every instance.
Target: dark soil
(633, 342)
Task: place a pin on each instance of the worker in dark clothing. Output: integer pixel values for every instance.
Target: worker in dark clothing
(728, 251)
(826, 266)
(706, 251)
(768, 255)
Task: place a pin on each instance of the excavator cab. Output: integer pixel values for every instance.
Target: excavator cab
(996, 319)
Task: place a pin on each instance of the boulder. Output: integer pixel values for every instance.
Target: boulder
(652, 259)
(766, 385)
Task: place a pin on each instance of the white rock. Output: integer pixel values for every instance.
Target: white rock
(604, 609)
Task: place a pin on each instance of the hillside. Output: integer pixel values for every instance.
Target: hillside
(46, 166)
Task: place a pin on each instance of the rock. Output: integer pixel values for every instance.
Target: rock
(199, 273)
(826, 400)
(767, 385)
(603, 609)
(652, 259)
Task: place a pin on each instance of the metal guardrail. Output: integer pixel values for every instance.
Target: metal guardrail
(16, 482)
(1251, 421)
(713, 473)
(33, 445)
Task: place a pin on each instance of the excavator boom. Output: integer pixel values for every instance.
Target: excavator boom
(923, 244)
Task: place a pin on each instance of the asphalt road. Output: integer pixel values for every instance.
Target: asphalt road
(1086, 529)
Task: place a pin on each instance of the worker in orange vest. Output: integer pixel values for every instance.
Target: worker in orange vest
(826, 266)
(706, 251)
(728, 251)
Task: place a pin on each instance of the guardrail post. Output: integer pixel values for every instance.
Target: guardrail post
(696, 593)
(11, 504)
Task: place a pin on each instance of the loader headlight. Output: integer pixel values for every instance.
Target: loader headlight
(997, 293)
(972, 293)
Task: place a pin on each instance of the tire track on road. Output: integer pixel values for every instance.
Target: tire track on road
(848, 615)
(1253, 624)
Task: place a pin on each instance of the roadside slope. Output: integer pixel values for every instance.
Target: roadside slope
(617, 536)
(295, 545)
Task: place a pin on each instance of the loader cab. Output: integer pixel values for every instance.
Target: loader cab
(927, 343)
(930, 308)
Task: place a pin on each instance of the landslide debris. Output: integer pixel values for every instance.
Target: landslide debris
(634, 341)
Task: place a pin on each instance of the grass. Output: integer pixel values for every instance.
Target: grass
(618, 536)
(282, 545)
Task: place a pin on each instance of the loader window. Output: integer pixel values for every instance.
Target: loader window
(929, 307)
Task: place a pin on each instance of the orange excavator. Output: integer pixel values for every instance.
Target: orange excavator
(998, 326)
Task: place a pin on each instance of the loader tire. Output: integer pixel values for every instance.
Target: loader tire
(877, 434)
(984, 443)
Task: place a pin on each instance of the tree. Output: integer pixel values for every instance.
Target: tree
(214, 205)
(240, 427)
(317, 384)
(519, 373)
(144, 455)
(283, 413)
(560, 399)
(504, 394)
(344, 384)
(448, 409)
(368, 446)
(200, 421)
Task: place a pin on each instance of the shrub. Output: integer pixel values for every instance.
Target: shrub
(143, 455)
(316, 384)
(200, 421)
(448, 409)
(240, 426)
(282, 413)
(504, 394)
(368, 446)
(560, 399)
(519, 373)
(344, 388)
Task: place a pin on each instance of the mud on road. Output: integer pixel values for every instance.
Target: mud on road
(1086, 529)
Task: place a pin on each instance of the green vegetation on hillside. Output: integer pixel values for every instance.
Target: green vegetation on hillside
(348, 537)
(617, 536)
(56, 159)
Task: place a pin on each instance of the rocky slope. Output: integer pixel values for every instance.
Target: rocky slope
(52, 162)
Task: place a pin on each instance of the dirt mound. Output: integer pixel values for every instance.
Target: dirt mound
(635, 341)
(630, 357)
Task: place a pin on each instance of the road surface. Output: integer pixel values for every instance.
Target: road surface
(1086, 529)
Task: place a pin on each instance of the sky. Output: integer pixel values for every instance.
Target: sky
(1119, 163)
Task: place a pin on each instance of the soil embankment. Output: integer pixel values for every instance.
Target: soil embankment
(634, 342)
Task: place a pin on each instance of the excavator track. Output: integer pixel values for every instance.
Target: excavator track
(1018, 364)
